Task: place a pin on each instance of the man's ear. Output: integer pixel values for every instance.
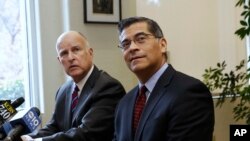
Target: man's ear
(163, 44)
(91, 51)
(58, 59)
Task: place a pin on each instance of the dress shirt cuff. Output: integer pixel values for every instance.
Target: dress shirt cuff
(38, 139)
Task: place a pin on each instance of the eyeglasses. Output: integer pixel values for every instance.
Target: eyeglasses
(138, 40)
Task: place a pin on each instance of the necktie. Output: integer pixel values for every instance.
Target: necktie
(74, 99)
(139, 105)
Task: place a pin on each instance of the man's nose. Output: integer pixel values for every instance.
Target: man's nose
(133, 45)
(71, 56)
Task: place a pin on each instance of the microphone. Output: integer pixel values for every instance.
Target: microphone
(2, 111)
(23, 122)
(7, 109)
(19, 101)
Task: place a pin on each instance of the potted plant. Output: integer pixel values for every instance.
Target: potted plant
(235, 83)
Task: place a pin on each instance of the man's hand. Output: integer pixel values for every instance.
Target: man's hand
(27, 138)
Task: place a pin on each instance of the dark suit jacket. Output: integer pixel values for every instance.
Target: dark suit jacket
(93, 119)
(180, 108)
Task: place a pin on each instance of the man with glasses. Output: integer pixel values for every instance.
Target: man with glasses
(166, 105)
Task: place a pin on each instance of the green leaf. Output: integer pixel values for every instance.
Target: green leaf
(244, 23)
(243, 13)
(241, 32)
(240, 2)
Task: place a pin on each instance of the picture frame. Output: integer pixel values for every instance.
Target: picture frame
(102, 11)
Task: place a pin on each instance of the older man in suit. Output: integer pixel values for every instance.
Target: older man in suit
(166, 105)
(89, 115)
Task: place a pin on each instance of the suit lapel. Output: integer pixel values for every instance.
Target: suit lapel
(156, 94)
(85, 93)
(68, 99)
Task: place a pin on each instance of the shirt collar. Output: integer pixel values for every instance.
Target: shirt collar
(150, 84)
(81, 83)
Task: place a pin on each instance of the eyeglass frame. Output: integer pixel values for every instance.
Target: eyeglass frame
(136, 40)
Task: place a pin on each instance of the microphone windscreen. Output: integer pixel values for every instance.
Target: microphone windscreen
(6, 111)
(29, 119)
(19, 101)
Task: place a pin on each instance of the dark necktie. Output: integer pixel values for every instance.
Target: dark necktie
(139, 105)
(74, 99)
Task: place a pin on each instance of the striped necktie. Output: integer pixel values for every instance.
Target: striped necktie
(74, 99)
(139, 105)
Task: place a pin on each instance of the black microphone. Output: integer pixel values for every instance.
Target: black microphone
(8, 110)
(19, 101)
(2, 109)
(23, 122)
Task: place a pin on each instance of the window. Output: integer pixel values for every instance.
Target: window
(19, 60)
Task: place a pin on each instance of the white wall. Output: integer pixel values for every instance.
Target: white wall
(50, 27)
(199, 32)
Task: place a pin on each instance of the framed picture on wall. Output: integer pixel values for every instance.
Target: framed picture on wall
(102, 11)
